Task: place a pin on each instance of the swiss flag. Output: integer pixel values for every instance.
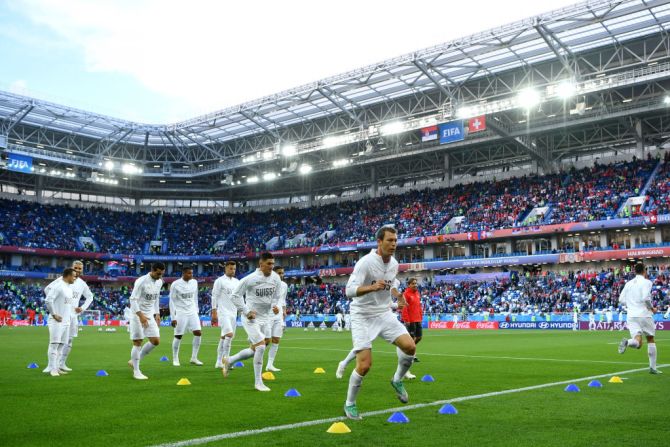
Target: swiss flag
(477, 124)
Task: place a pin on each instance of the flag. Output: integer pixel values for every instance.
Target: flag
(477, 124)
(429, 133)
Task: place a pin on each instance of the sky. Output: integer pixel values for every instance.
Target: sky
(162, 61)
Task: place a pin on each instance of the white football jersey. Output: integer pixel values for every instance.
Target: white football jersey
(60, 299)
(369, 269)
(146, 295)
(636, 296)
(183, 298)
(260, 293)
(221, 295)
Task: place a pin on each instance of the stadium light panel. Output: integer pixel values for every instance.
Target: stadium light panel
(666, 100)
(305, 169)
(392, 128)
(109, 165)
(341, 162)
(268, 176)
(252, 179)
(289, 150)
(268, 155)
(528, 98)
(566, 89)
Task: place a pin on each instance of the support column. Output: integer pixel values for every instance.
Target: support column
(448, 171)
(374, 188)
(39, 186)
(639, 148)
(658, 236)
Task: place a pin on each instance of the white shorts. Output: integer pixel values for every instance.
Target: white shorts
(74, 326)
(187, 322)
(137, 332)
(58, 332)
(275, 328)
(641, 326)
(365, 329)
(228, 323)
(255, 328)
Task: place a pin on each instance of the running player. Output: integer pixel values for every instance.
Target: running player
(184, 314)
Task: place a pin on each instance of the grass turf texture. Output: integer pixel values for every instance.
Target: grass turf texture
(81, 409)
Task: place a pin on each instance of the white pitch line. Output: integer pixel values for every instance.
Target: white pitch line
(481, 356)
(239, 434)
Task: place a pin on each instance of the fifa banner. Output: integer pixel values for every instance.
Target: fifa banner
(19, 163)
(619, 326)
(543, 325)
(451, 131)
(463, 325)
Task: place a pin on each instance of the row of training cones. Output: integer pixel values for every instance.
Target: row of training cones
(572, 388)
(100, 373)
(396, 418)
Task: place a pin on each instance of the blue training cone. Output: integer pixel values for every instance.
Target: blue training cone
(33, 366)
(165, 359)
(238, 365)
(292, 393)
(448, 409)
(102, 373)
(427, 378)
(595, 384)
(398, 418)
(572, 388)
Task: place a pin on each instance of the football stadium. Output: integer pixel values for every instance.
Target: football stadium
(468, 242)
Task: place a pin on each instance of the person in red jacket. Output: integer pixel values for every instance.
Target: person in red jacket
(31, 316)
(412, 315)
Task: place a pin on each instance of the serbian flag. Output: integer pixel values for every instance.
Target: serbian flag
(429, 133)
(477, 124)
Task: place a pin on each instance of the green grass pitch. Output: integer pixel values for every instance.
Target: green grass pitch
(81, 409)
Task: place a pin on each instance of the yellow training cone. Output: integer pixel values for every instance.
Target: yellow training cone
(183, 381)
(339, 428)
(615, 379)
(268, 376)
(319, 371)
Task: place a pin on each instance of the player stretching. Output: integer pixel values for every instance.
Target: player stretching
(224, 311)
(80, 288)
(636, 296)
(261, 290)
(370, 287)
(59, 302)
(184, 314)
(277, 322)
(145, 320)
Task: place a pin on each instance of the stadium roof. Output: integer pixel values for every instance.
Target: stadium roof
(558, 34)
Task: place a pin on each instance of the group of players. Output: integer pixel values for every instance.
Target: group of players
(260, 298)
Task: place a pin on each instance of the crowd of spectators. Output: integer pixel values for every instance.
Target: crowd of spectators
(592, 193)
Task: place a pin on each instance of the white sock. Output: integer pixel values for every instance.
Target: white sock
(272, 353)
(53, 356)
(176, 343)
(632, 343)
(227, 344)
(135, 355)
(349, 358)
(355, 382)
(66, 351)
(258, 363)
(196, 347)
(146, 349)
(219, 351)
(243, 354)
(404, 363)
(651, 350)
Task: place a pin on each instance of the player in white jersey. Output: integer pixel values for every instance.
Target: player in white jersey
(59, 302)
(80, 289)
(144, 303)
(127, 315)
(184, 314)
(609, 314)
(275, 329)
(370, 287)
(339, 321)
(224, 311)
(636, 296)
(261, 290)
(592, 320)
